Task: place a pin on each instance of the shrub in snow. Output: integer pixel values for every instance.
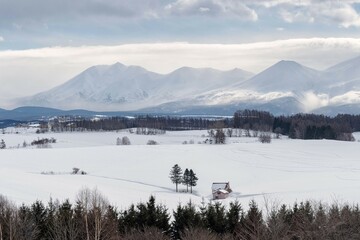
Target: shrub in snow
(184, 142)
(151, 142)
(43, 141)
(125, 141)
(265, 138)
(77, 171)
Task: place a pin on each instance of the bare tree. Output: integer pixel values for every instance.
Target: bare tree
(265, 138)
(84, 198)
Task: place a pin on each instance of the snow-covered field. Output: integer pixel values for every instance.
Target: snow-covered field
(284, 171)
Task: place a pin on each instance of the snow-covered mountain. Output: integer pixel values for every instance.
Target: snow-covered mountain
(286, 87)
(284, 76)
(120, 87)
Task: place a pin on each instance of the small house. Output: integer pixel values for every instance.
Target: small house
(221, 190)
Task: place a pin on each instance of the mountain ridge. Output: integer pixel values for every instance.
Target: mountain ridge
(132, 88)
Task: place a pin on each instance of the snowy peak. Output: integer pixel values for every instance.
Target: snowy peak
(283, 76)
(121, 87)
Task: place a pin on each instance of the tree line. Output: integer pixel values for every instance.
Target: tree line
(138, 122)
(300, 126)
(92, 217)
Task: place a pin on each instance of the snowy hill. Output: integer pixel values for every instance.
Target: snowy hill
(284, 171)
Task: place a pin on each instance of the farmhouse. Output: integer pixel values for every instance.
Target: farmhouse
(220, 190)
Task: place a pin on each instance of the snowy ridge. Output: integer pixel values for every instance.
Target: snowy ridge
(120, 87)
(127, 88)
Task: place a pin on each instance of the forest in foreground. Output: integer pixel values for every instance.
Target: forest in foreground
(92, 217)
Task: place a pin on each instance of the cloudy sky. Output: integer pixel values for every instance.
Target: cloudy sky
(44, 43)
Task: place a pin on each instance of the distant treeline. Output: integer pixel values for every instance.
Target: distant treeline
(93, 218)
(300, 126)
(149, 122)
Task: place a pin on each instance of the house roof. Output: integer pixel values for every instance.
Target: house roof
(219, 185)
(223, 191)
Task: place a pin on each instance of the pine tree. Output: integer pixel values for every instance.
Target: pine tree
(192, 179)
(234, 215)
(38, 213)
(185, 217)
(186, 179)
(176, 175)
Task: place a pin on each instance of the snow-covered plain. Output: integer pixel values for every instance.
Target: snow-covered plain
(284, 171)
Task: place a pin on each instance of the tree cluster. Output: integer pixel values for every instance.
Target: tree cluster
(149, 131)
(123, 141)
(187, 178)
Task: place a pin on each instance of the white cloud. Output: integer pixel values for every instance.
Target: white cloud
(343, 14)
(2, 39)
(337, 12)
(26, 72)
(212, 8)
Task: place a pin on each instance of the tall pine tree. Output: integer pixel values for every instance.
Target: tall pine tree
(192, 179)
(186, 179)
(176, 175)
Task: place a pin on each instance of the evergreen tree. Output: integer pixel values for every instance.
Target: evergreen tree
(192, 179)
(185, 217)
(215, 218)
(176, 175)
(234, 215)
(253, 226)
(39, 213)
(186, 179)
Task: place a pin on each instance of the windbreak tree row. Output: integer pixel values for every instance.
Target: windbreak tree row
(92, 217)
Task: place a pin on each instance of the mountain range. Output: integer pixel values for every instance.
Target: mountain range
(286, 87)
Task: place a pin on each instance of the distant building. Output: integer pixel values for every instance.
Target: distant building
(221, 190)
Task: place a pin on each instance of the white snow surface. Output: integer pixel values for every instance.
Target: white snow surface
(284, 171)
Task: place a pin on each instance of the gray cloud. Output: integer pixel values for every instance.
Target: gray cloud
(337, 12)
(212, 8)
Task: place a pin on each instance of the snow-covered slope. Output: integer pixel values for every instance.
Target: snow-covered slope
(284, 171)
(343, 77)
(100, 85)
